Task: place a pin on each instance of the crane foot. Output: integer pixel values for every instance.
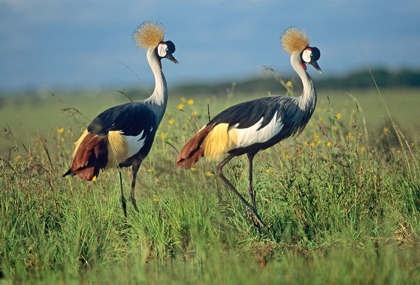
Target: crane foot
(133, 200)
(257, 222)
(124, 206)
(255, 218)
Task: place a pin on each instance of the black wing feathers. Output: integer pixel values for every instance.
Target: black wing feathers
(249, 113)
(130, 118)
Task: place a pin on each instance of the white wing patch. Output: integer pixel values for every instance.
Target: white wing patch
(252, 135)
(135, 143)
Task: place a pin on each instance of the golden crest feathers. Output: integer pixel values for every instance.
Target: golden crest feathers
(149, 34)
(294, 40)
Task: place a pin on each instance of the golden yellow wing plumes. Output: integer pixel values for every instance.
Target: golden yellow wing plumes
(294, 40)
(149, 35)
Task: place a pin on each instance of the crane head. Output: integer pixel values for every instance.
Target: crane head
(297, 42)
(150, 35)
(165, 50)
(310, 55)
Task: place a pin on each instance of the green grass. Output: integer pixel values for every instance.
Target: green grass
(343, 199)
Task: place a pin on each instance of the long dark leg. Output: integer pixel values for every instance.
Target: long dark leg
(135, 167)
(122, 198)
(251, 209)
(251, 189)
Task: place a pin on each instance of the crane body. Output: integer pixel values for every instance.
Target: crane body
(249, 127)
(123, 135)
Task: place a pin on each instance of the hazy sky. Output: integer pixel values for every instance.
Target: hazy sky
(68, 43)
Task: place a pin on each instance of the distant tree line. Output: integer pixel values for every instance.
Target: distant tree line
(354, 80)
(363, 79)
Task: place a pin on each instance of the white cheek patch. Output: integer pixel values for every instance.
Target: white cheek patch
(252, 135)
(306, 55)
(162, 50)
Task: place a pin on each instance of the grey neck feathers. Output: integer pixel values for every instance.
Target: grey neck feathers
(307, 101)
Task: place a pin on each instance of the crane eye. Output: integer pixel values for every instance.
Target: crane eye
(307, 55)
(162, 49)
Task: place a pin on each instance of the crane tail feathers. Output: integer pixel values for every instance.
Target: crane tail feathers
(91, 155)
(69, 172)
(193, 151)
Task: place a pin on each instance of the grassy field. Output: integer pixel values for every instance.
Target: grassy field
(343, 199)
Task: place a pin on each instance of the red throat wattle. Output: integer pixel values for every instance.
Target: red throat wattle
(303, 65)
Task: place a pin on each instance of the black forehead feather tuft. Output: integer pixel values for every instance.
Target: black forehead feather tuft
(171, 46)
(316, 54)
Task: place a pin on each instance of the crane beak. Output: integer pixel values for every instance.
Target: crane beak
(316, 66)
(171, 58)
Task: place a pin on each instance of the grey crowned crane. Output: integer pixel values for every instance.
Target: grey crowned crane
(256, 125)
(123, 135)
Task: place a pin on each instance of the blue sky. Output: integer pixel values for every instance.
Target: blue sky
(74, 43)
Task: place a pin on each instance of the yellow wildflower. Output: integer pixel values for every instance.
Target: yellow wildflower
(171, 121)
(320, 118)
(328, 143)
(183, 99)
(312, 144)
(63, 139)
(190, 102)
(155, 200)
(162, 135)
(289, 84)
(194, 113)
(287, 156)
(338, 116)
(362, 149)
(94, 178)
(208, 173)
(17, 158)
(150, 170)
(61, 130)
(180, 106)
(386, 130)
(193, 169)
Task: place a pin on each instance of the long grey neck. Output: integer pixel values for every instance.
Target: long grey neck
(307, 101)
(159, 97)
